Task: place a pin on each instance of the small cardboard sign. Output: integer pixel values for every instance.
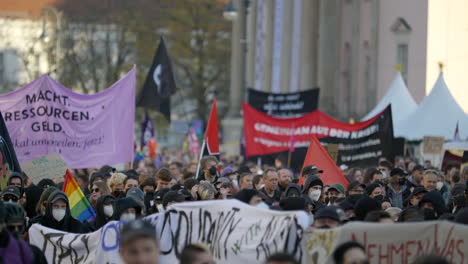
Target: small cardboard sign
(332, 150)
(433, 145)
(50, 166)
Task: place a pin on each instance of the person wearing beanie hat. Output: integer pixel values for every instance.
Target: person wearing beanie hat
(173, 197)
(397, 190)
(42, 205)
(249, 196)
(313, 187)
(433, 205)
(293, 190)
(364, 206)
(127, 209)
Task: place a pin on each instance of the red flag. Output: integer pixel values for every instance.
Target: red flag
(318, 156)
(211, 134)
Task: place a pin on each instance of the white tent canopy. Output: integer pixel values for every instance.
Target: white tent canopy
(437, 115)
(401, 100)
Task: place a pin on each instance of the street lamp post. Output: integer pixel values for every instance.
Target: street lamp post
(239, 63)
(58, 18)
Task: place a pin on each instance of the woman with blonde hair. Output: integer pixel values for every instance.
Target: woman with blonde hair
(98, 189)
(116, 186)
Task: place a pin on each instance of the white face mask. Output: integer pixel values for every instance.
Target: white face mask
(315, 195)
(262, 205)
(262, 185)
(58, 214)
(127, 217)
(439, 185)
(108, 210)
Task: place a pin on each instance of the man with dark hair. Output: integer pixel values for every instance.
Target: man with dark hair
(196, 254)
(173, 197)
(350, 252)
(208, 169)
(416, 177)
(176, 169)
(138, 243)
(281, 258)
(397, 190)
(163, 179)
(385, 167)
(272, 194)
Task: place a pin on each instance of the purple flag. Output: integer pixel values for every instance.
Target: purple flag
(147, 130)
(87, 131)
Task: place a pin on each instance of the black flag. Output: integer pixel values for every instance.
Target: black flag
(160, 83)
(8, 161)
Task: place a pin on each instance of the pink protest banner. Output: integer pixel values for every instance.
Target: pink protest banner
(87, 131)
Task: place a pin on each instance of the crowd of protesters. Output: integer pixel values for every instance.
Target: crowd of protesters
(403, 191)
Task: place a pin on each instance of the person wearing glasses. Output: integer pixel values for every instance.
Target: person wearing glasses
(98, 189)
(11, 194)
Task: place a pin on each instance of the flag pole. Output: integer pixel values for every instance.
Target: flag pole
(199, 159)
(289, 159)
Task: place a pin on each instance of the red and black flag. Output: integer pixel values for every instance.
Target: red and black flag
(210, 144)
(160, 83)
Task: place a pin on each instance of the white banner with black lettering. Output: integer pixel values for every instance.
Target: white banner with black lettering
(235, 232)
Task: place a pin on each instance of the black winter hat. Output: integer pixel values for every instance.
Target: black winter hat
(364, 206)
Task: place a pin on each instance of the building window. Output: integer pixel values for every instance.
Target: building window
(402, 59)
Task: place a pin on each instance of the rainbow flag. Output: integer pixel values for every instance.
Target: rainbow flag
(80, 207)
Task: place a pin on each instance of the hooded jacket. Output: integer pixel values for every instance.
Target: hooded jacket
(292, 186)
(101, 218)
(33, 195)
(123, 204)
(435, 198)
(68, 223)
(20, 176)
(311, 180)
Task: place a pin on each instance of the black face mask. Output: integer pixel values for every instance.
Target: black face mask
(213, 170)
(379, 198)
(327, 200)
(402, 181)
(332, 199)
(117, 194)
(429, 214)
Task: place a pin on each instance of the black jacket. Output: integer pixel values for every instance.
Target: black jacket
(101, 219)
(68, 223)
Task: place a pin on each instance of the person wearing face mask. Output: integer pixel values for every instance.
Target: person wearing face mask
(16, 179)
(11, 194)
(12, 250)
(397, 190)
(127, 209)
(58, 215)
(334, 192)
(312, 189)
(209, 170)
(104, 212)
(432, 205)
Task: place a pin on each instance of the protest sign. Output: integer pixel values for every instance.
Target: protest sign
(50, 166)
(386, 244)
(234, 231)
(87, 131)
(359, 144)
(332, 150)
(284, 104)
(101, 246)
(433, 145)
